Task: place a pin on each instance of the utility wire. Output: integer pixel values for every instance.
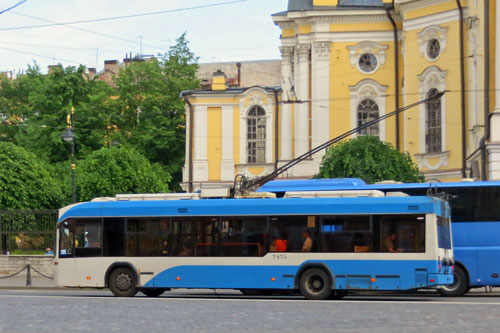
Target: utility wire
(88, 31)
(126, 16)
(40, 55)
(16, 5)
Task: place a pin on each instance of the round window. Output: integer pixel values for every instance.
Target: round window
(367, 62)
(433, 49)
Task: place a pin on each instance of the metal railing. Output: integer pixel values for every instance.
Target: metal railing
(27, 231)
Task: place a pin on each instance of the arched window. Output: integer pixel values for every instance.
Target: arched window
(433, 129)
(368, 111)
(256, 135)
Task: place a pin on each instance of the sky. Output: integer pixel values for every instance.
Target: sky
(218, 30)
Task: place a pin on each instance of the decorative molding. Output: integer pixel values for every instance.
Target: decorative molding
(322, 50)
(423, 160)
(430, 33)
(411, 4)
(243, 168)
(433, 19)
(378, 50)
(368, 89)
(355, 16)
(256, 100)
(286, 54)
(303, 51)
(432, 78)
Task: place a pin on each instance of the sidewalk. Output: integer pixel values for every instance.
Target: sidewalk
(19, 282)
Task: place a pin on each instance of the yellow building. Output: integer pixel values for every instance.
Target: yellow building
(345, 62)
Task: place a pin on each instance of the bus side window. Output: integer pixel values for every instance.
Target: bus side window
(88, 238)
(346, 234)
(114, 234)
(287, 233)
(402, 233)
(66, 238)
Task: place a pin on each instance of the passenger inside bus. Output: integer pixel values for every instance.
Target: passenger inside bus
(389, 242)
(308, 243)
(186, 248)
(278, 242)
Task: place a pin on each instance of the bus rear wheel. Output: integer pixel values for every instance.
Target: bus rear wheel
(315, 284)
(460, 284)
(123, 282)
(153, 292)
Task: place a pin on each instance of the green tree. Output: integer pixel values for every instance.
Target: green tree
(368, 158)
(110, 171)
(25, 182)
(37, 106)
(153, 112)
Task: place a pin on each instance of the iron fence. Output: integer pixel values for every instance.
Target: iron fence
(27, 231)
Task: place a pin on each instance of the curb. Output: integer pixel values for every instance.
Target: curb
(30, 288)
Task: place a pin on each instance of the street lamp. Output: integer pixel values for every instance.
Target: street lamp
(69, 136)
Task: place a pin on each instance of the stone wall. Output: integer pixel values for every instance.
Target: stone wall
(10, 264)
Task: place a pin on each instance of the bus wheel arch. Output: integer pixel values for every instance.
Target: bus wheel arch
(122, 279)
(315, 282)
(459, 288)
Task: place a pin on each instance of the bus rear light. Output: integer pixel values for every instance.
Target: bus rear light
(494, 275)
(373, 280)
(273, 279)
(432, 280)
(178, 278)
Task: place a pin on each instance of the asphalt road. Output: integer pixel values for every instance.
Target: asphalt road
(229, 311)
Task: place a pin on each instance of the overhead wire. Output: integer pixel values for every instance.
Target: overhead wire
(125, 16)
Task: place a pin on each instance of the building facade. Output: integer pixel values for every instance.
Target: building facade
(346, 62)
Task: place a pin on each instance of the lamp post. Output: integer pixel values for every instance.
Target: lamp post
(69, 136)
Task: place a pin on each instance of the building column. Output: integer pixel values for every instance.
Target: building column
(227, 162)
(320, 97)
(494, 144)
(302, 105)
(286, 108)
(200, 161)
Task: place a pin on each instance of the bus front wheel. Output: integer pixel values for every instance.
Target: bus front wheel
(460, 284)
(123, 282)
(315, 284)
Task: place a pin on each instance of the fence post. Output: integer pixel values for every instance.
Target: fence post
(28, 276)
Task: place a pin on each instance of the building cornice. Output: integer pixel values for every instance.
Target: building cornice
(412, 5)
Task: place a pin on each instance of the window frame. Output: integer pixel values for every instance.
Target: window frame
(433, 131)
(362, 110)
(256, 123)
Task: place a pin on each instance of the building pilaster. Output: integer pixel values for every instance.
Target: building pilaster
(227, 161)
(493, 146)
(320, 97)
(302, 105)
(200, 160)
(286, 108)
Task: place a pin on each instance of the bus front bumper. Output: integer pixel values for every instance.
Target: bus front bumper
(440, 279)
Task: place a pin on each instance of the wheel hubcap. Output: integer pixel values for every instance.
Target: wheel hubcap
(316, 284)
(123, 282)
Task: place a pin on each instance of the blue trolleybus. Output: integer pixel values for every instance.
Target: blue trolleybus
(475, 216)
(322, 246)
